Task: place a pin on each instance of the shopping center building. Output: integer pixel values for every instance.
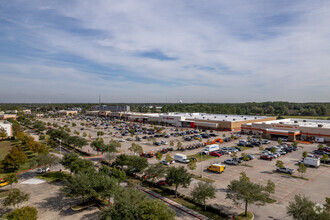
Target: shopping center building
(291, 128)
(197, 120)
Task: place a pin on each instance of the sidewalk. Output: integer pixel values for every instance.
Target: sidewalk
(182, 208)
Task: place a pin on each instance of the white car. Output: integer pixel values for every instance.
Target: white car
(121, 140)
(163, 142)
(43, 170)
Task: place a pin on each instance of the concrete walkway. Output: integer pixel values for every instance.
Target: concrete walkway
(191, 213)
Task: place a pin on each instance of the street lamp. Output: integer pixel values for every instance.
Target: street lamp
(60, 148)
(202, 164)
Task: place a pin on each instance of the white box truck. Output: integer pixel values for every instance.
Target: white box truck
(210, 148)
(181, 158)
(311, 162)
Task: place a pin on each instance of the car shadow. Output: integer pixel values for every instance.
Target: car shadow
(267, 172)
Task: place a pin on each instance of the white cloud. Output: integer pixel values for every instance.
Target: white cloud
(255, 50)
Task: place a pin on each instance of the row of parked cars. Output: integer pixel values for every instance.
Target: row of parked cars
(274, 152)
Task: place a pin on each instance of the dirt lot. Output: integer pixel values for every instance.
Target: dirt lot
(258, 170)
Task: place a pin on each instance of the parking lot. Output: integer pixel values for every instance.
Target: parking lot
(259, 171)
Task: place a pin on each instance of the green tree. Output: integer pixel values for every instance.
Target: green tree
(179, 145)
(320, 146)
(202, 192)
(168, 158)
(155, 209)
(84, 134)
(245, 191)
(192, 165)
(77, 142)
(155, 171)
(280, 141)
(100, 133)
(74, 124)
(15, 158)
(11, 178)
(295, 143)
(81, 165)
(132, 204)
(26, 213)
(136, 148)
(273, 150)
(15, 198)
(159, 155)
(90, 185)
(325, 157)
(302, 169)
(279, 164)
(172, 143)
(270, 187)
(304, 154)
(301, 208)
(178, 176)
(68, 159)
(3, 133)
(119, 174)
(245, 157)
(261, 148)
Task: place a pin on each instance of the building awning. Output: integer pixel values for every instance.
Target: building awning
(281, 132)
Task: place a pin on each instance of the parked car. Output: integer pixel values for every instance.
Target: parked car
(161, 183)
(3, 183)
(43, 170)
(121, 140)
(266, 157)
(164, 162)
(265, 141)
(231, 162)
(215, 153)
(163, 142)
(285, 170)
(249, 156)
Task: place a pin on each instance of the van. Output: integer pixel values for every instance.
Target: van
(217, 167)
(242, 143)
(210, 148)
(309, 161)
(181, 158)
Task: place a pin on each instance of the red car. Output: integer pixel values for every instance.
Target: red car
(216, 154)
(161, 183)
(266, 157)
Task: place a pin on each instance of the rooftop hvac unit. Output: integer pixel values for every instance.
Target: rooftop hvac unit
(255, 117)
(215, 116)
(319, 125)
(304, 120)
(295, 121)
(234, 119)
(226, 116)
(281, 122)
(244, 118)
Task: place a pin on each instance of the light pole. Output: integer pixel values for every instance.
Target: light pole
(202, 164)
(60, 148)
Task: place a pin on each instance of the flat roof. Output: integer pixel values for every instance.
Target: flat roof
(215, 117)
(298, 121)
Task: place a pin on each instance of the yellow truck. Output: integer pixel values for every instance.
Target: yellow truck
(217, 167)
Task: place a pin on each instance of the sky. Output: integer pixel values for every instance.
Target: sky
(164, 51)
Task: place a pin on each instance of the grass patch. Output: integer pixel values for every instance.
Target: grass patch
(5, 147)
(243, 217)
(270, 200)
(202, 178)
(291, 175)
(198, 157)
(246, 165)
(4, 193)
(51, 177)
(183, 202)
(244, 148)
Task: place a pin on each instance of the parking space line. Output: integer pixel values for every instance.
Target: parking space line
(299, 187)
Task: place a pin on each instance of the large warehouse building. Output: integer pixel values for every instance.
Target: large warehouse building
(7, 126)
(198, 120)
(291, 128)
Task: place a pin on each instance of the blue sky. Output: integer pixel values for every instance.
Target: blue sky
(158, 51)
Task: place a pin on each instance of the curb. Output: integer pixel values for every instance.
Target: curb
(170, 202)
